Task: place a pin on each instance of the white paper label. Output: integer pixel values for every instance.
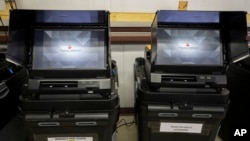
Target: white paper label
(71, 139)
(180, 127)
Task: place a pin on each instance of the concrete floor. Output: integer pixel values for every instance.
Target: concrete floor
(127, 133)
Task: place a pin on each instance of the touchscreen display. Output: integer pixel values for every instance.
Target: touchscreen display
(177, 46)
(68, 49)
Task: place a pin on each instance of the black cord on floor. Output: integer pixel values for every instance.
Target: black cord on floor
(127, 124)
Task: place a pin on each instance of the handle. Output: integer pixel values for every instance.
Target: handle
(48, 124)
(87, 123)
(4, 90)
(202, 115)
(167, 114)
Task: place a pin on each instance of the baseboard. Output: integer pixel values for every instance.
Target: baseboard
(127, 111)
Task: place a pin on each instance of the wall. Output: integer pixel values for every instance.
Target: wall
(2, 5)
(125, 56)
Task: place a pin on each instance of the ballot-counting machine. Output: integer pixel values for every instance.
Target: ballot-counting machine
(71, 89)
(181, 85)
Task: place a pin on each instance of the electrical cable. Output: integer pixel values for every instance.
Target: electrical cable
(128, 124)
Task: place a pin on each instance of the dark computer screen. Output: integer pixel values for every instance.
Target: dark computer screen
(68, 49)
(70, 16)
(185, 46)
(194, 17)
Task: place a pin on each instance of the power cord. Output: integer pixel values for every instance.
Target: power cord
(127, 124)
